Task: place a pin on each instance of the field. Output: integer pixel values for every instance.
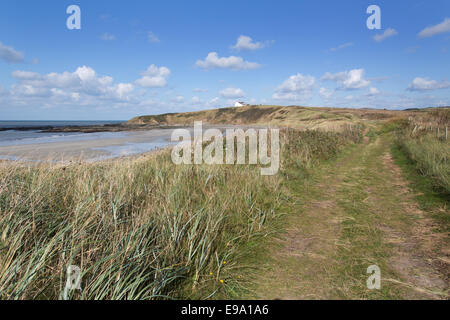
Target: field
(355, 188)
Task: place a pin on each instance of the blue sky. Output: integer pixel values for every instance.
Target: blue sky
(147, 57)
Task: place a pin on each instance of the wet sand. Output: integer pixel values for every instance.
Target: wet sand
(87, 149)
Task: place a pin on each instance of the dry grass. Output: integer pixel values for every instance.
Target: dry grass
(425, 142)
(139, 228)
(292, 116)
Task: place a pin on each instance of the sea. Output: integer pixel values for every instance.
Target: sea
(11, 136)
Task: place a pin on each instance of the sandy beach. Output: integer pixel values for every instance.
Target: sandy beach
(89, 147)
(127, 143)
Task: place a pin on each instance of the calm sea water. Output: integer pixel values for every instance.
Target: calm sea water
(15, 137)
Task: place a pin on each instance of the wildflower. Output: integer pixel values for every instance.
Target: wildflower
(221, 281)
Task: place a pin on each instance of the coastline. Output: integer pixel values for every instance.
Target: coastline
(130, 143)
(91, 147)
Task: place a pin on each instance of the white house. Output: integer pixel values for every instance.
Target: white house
(240, 104)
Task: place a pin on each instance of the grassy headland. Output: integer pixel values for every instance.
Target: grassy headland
(292, 116)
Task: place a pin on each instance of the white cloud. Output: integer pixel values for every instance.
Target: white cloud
(296, 88)
(348, 80)
(386, 34)
(195, 99)
(83, 85)
(25, 75)
(123, 89)
(10, 55)
(342, 46)
(84, 78)
(108, 37)
(430, 31)
(154, 77)
(246, 43)
(153, 70)
(373, 92)
(232, 93)
(232, 62)
(424, 84)
(325, 93)
(152, 38)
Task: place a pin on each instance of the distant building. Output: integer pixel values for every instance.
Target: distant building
(240, 104)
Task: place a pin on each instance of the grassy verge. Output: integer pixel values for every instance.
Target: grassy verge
(142, 228)
(424, 140)
(422, 150)
(430, 196)
(431, 157)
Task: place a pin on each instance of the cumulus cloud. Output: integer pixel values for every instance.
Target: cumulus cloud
(430, 31)
(386, 34)
(235, 63)
(425, 84)
(152, 38)
(108, 37)
(81, 85)
(296, 88)
(10, 55)
(124, 89)
(232, 93)
(154, 77)
(348, 80)
(246, 43)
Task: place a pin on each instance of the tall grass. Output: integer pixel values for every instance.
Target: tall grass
(424, 141)
(139, 228)
(431, 156)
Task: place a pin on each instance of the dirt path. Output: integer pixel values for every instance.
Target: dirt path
(354, 213)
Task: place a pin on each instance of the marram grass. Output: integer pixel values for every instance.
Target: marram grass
(139, 228)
